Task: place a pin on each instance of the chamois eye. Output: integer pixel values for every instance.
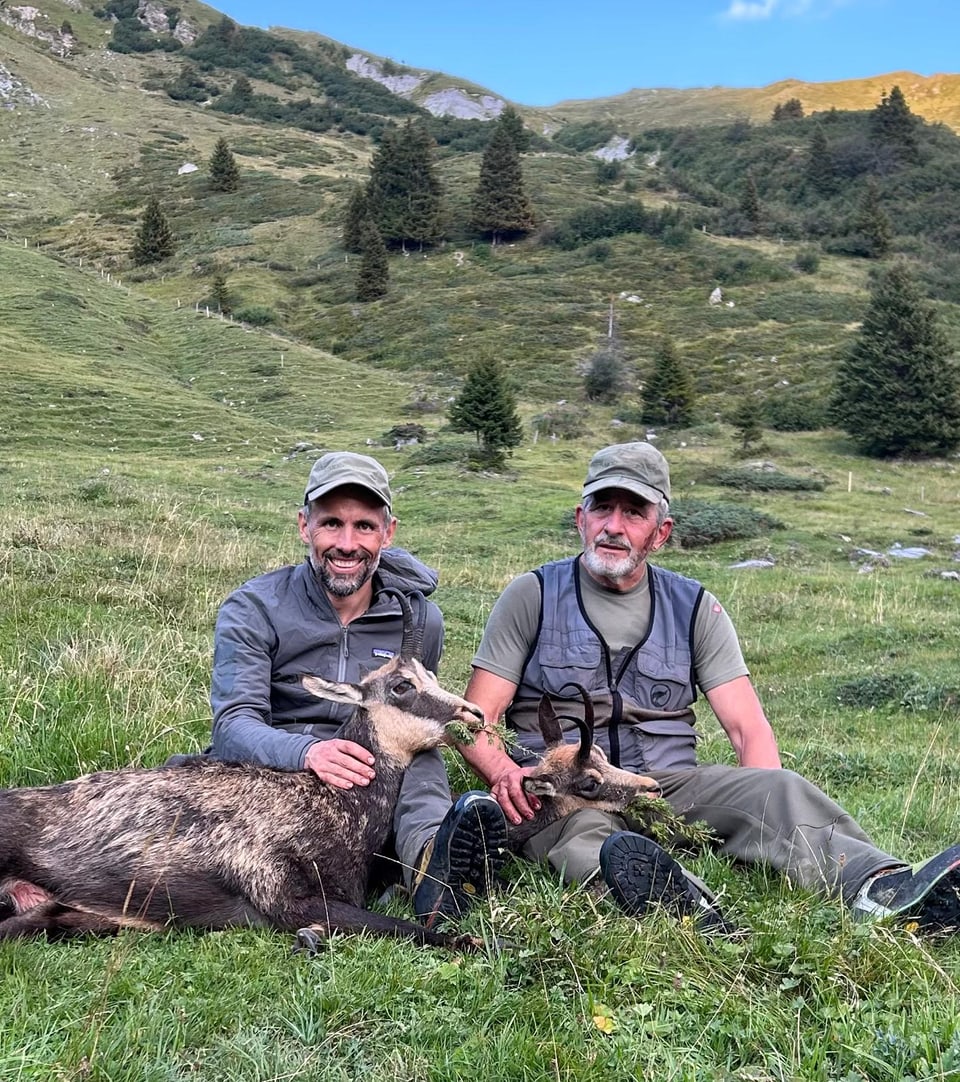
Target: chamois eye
(402, 687)
(588, 786)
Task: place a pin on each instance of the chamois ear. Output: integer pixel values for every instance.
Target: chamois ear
(539, 786)
(549, 726)
(330, 689)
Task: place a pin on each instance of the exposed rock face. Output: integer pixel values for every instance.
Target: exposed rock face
(458, 103)
(401, 85)
(13, 92)
(32, 22)
(617, 150)
(154, 18)
(449, 102)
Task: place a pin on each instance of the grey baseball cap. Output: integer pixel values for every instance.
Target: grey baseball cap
(637, 467)
(338, 468)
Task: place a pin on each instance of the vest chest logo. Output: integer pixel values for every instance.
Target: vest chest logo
(383, 654)
(660, 695)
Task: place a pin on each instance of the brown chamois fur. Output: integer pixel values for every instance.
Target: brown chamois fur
(207, 844)
(574, 776)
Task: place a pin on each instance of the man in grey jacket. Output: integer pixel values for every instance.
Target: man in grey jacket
(327, 616)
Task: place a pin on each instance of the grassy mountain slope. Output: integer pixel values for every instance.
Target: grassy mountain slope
(936, 98)
(152, 458)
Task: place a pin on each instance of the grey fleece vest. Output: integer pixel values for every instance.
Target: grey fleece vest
(642, 695)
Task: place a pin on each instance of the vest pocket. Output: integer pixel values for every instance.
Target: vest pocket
(573, 661)
(667, 744)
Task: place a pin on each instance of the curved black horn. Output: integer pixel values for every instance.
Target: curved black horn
(412, 641)
(584, 724)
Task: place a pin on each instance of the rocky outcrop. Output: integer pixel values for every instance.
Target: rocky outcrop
(450, 102)
(456, 102)
(401, 84)
(32, 22)
(13, 92)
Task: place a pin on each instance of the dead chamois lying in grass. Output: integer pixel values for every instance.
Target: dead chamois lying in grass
(217, 845)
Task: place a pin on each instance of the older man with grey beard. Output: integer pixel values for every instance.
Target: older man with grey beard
(331, 616)
(643, 641)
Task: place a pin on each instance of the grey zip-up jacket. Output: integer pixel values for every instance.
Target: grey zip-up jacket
(279, 626)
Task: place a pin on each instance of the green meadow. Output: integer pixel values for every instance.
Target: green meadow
(152, 459)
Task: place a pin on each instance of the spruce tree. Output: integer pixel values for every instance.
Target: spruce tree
(404, 195)
(500, 204)
(898, 390)
(872, 226)
(750, 202)
(669, 396)
(821, 170)
(512, 122)
(747, 419)
(895, 126)
(792, 109)
(154, 240)
(224, 174)
(356, 214)
(220, 294)
(487, 407)
(374, 272)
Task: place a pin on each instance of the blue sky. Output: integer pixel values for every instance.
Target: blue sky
(539, 52)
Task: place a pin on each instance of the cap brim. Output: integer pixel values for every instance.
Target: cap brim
(630, 484)
(316, 493)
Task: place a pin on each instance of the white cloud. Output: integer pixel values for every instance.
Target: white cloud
(750, 9)
(745, 10)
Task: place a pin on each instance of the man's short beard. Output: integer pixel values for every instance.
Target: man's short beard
(341, 585)
(611, 569)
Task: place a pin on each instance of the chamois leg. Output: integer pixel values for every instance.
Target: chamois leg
(326, 917)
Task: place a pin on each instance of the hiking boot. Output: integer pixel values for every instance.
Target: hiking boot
(640, 874)
(927, 893)
(460, 863)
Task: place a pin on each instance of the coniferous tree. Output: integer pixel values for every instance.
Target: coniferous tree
(511, 121)
(747, 419)
(500, 204)
(894, 125)
(357, 213)
(872, 226)
(404, 195)
(821, 171)
(487, 407)
(224, 174)
(374, 272)
(750, 202)
(220, 294)
(792, 109)
(898, 391)
(154, 240)
(668, 395)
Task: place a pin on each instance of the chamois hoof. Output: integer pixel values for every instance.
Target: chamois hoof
(310, 940)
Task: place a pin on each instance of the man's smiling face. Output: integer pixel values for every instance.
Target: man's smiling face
(345, 531)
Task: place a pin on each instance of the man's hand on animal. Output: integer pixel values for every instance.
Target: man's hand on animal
(341, 763)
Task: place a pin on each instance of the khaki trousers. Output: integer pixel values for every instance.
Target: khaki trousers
(771, 817)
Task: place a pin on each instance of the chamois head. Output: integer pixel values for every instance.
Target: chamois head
(574, 776)
(402, 702)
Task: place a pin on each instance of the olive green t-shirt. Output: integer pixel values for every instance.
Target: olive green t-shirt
(622, 620)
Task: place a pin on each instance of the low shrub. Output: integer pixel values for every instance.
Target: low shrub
(439, 454)
(797, 412)
(562, 422)
(752, 480)
(258, 315)
(698, 523)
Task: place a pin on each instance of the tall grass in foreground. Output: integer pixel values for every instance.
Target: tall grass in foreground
(110, 586)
